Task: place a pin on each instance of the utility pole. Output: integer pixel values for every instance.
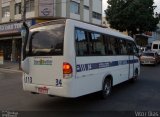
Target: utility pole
(24, 11)
(24, 31)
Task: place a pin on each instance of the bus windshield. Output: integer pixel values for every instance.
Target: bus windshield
(46, 41)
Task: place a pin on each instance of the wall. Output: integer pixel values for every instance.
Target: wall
(86, 12)
(61, 9)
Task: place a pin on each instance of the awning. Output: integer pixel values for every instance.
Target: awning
(10, 37)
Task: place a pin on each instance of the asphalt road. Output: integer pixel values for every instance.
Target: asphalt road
(144, 95)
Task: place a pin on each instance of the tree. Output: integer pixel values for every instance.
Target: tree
(133, 16)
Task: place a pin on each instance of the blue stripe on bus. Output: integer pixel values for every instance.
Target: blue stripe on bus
(100, 65)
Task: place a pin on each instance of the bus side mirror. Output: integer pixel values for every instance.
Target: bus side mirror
(24, 35)
(24, 31)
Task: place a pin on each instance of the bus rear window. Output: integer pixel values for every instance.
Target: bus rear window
(155, 46)
(46, 41)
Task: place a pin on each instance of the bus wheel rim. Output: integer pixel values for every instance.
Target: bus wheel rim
(107, 87)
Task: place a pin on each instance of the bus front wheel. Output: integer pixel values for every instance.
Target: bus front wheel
(135, 78)
(107, 87)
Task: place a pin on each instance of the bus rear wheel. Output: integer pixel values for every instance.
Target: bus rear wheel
(107, 88)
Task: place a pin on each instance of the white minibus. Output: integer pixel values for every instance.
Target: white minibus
(70, 58)
(156, 46)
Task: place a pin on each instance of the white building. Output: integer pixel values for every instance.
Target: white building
(39, 11)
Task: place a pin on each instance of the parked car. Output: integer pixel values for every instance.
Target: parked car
(149, 57)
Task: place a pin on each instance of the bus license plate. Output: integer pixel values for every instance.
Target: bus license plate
(43, 90)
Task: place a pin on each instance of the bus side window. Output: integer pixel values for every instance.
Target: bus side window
(117, 46)
(108, 50)
(81, 42)
(132, 49)
(123, 47)
(112, 45)
(97, 44)
(129, 48)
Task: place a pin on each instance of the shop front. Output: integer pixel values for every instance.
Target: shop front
(10, 38)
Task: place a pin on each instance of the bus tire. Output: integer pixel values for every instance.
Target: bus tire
(106, 88)
(135, 78)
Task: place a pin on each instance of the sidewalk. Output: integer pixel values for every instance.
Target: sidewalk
(10, 65)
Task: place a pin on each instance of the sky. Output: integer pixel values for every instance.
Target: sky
(157, 3)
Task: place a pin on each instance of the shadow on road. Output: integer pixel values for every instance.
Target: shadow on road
(86, 102)
(150, 66)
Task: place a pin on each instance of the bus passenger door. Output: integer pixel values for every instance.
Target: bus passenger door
(130, 60)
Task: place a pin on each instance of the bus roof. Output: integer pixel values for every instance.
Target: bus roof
(97, 28)
(59, 20)
(156, 41)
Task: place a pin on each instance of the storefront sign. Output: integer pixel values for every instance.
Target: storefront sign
(46, 7)
(13, 27)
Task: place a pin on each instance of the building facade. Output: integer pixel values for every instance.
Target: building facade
(155, 35)
(39, 11)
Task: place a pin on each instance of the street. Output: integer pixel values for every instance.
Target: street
(143, 95)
